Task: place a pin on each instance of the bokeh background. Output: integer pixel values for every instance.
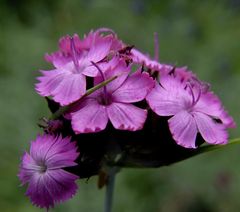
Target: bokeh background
(204, 35)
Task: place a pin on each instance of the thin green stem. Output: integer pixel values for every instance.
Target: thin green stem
(110, 189)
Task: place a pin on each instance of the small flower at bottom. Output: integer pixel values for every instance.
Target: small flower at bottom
(43, 170)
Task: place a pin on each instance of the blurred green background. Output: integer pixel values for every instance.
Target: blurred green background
(204, 35)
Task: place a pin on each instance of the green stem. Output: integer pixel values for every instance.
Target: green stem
(64, 109)
(209, 148)
(110, 189)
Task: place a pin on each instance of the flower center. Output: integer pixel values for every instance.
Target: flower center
(42, 167)
(104, 99)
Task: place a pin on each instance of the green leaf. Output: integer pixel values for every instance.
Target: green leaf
(209, 148)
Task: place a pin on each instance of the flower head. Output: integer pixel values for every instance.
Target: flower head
(73, 62)
(113, 102)
(43, 170)
(193, 109)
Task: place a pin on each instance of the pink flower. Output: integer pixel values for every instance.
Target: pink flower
(67, 82)
(193, 110)
(43, 170)
(113, 102)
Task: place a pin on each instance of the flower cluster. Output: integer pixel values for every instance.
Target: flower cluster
(142, 85)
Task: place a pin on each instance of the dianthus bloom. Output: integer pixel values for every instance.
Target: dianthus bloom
(43, 170)
(193, 110)
(114, 102)
(73, 62)
(119, 79)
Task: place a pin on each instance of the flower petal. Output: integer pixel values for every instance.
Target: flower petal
(166, 102)
(90, 71)
(72, 87)
(100, 49)
(49, 188)
(183, 129)
(126, 116)
(54, 151)
(26, 171)
(212, 132)
(49, 81)
(91, 117)
(211, 105)
(134, 89)
(115, 67)
(58, 59)
(227, 120)
(65, 87)
(65, 44)
(62, 153)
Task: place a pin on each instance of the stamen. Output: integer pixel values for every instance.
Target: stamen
(194, 100)
(191, 91)
(198, 96)
(74, 54)
(105, 94)
(156, 47)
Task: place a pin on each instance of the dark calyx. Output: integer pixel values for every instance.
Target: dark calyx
(150, 147)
